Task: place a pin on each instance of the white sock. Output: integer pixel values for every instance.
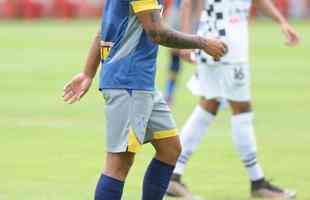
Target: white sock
(245, 142)
(192, 134)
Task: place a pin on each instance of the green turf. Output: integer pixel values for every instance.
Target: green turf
(53, 151)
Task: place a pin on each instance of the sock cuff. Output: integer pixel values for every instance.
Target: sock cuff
(202, 113)
(243, 117)
(159, 163)
(158, 169)
(112, 181)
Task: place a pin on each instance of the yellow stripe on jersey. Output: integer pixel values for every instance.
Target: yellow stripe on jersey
(142, 5)
(133, 144)
(104, 52)
(165, 134)
(105, 48)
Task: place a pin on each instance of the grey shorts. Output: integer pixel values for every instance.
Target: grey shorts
(134, 118)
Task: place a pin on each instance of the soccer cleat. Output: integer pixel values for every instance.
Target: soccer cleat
(264, 189)
(178, 189)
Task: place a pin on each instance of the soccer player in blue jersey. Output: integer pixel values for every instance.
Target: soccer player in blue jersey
(135, 113)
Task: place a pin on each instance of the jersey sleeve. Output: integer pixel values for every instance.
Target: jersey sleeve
(143, 5)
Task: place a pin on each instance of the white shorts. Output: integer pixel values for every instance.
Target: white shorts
(229, 82)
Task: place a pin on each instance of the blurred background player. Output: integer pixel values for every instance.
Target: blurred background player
(227, 79)
(173, 18)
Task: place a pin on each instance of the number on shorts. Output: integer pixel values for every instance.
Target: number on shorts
(239, 73)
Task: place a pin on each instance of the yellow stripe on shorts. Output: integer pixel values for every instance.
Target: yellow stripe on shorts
(142, 5)
(165, 134)
(133, 144)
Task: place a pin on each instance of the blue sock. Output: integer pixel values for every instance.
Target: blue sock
(175, 65)
(170, 88)
(109, 188)
(156, 180)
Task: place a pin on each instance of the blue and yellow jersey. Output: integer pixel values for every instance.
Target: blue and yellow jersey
(128, 55)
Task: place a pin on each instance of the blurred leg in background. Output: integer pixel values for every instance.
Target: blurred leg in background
(172, 14)
(174, 70)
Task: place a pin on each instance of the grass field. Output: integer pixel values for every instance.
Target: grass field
(53, 151)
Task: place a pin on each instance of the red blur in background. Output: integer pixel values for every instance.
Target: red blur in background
(32, 9)
(282, 5)
(67, 9)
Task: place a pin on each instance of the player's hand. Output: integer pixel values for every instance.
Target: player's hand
(292, 37)
(77, 88)
(215, 48)
(187, 55)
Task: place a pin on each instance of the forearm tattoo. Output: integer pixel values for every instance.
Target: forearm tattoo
(168, 37)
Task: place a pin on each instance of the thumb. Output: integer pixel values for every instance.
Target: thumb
(287, 35)
(81, 94)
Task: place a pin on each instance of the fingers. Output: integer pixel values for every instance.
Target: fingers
(81, 94)
(293, 38)
(72, 97)
(217, 59)
(77, 97)
(68, 87)
(68, 95)
(76, 88)
(222, 51)
(225, 48)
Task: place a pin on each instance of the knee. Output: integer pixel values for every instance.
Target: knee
(170, 154)
(241, 107)
(211, 106)
(118, 165)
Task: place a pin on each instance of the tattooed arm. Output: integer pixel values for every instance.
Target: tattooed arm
(160, 33)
